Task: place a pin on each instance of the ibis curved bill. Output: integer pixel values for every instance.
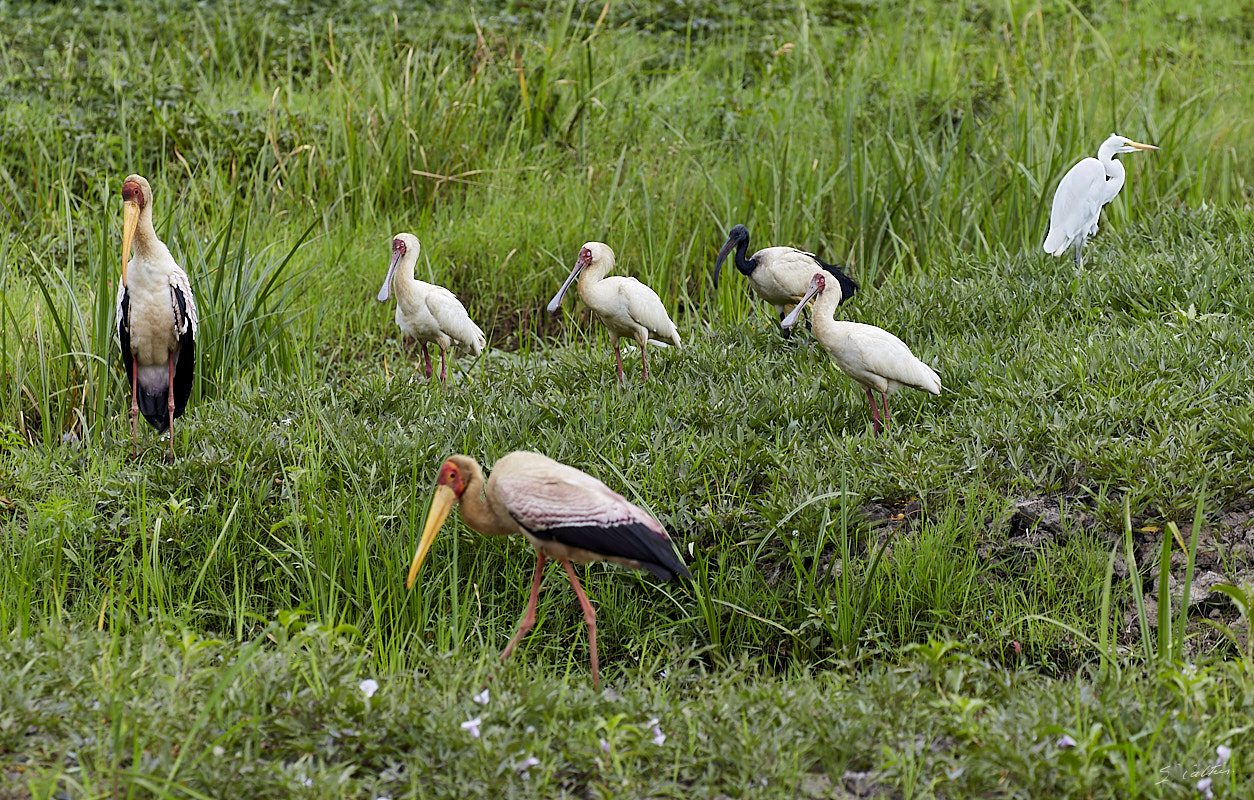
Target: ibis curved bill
(779, 275)
(1083, 191)
(624, 305)
(872, 356)
(426, 312)
(156, 318)
(564, 513)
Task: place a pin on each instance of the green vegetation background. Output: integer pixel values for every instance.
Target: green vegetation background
(919, 142)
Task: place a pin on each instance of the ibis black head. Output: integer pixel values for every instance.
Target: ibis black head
(738, 238)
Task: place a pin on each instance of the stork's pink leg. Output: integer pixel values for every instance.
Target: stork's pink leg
(134, 409)
(618, 356)
(443, 369)
(644, 362)
(426, 360)
(887, 417)
(529, 618)
(589, 617)
(875, 412)
(170, 406)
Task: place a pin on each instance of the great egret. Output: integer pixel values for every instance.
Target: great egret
(1083, 191)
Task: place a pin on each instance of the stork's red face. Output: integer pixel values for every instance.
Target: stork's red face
(451, 476)
(398, 247)
(585, 258)
(132, 193)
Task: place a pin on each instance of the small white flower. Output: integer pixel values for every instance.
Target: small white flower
(659, 738)
(530, 729)
(368, 687)
(306, 782)
(527, 763)
(1203, 786)
(471, 726)
(482, 698)
(1225, 753)
(1066, 741)
(218, 750)
(605, 746)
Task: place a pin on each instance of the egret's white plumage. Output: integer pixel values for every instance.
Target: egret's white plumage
(872, 356)
(624, 305)
(426, 312)
(1083, 191)
(156, 317)
(779, 275)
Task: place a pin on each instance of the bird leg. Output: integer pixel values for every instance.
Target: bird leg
(426, 360)
(443, 368)
(618, 356)
(787, 332)
(875, 412)
(134, 409)
(1079, 245)
(644, 361)
(887, 416)
(529, 618)
(589, 617)
(170, 406)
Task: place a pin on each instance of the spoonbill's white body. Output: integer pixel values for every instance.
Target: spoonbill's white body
(872, 356)
(624, 305)
(425, 312)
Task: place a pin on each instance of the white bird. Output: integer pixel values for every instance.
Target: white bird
(426, 312)
(624, 305)
(564, 513)
(779, 275)
(871, 356)
(156, 317)
(1083, 191)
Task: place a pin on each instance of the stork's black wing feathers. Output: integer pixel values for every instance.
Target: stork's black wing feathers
(124, 336)
(632, 540)
(185, 366)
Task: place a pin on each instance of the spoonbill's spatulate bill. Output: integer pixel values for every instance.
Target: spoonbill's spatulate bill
(1083, 191)
(156, 316)
(779, 275)
(426, 312)
(566, 514)
(624, 305)
(871, 356)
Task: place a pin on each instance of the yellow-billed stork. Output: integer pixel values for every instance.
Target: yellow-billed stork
(624, 305)
(156, 316)
(871, 356)
(565, 514)
(426, 312)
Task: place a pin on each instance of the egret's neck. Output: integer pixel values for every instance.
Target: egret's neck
(476, 512)
(1114, 177)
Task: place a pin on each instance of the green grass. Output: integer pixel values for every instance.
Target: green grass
(859, 605)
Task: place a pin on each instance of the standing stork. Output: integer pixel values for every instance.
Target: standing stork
(624, 305)
(871, 356)
(779, 275)
(565, 514)
(156, 316)
(1083, 191)
(426, 312)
